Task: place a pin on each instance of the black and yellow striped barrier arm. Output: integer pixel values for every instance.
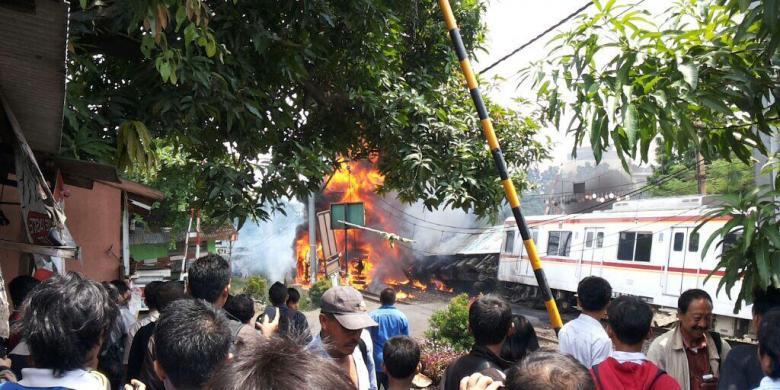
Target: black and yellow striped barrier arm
(498, 156)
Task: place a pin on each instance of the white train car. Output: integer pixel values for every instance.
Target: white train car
(645, 248)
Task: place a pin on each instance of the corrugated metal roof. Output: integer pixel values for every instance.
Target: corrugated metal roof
(32, 69)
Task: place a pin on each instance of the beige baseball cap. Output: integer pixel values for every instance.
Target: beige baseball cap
(348, 306)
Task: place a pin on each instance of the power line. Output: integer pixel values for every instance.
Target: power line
(537, 37)
(429, 222)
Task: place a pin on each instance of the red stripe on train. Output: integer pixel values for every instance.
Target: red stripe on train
(633, 265)
(691, 218)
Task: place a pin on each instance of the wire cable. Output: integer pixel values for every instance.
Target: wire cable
(537, 37)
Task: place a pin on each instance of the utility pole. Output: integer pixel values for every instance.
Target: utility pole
(312, 240)
(701, 174)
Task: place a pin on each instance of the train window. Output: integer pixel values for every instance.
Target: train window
(693, 242)
(600, 240)
(626, 246)
(509, 242)
(679, 238)
(558, 243)
(729, 240)
(644, 244)
(589, 240)
(635, 246)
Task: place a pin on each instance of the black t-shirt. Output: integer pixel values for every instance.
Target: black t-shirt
(138, 350)
(741, 369)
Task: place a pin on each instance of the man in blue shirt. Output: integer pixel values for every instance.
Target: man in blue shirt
(392, 322)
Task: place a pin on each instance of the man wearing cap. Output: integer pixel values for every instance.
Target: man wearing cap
(342, 319)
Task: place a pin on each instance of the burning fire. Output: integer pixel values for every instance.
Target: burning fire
(365, 258)
(361, 253)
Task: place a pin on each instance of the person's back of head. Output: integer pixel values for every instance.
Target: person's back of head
(150, 294)
(521, 342)
(277, 294)
(630, 319)
(241, 306)
(122, 288)
(20, 287)
(594, 293)
(490, 318)
(769, 344)
(279, 363)
(401, 356)
(192, 339)
(65, 320)
(765, 300)
(208, 278)
(293, 297)
(387, 296)
(547, 370)
(169, 292)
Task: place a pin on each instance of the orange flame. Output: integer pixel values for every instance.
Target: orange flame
(353, 182)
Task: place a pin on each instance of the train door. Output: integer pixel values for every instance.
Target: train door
(675, 262)
(592, 253)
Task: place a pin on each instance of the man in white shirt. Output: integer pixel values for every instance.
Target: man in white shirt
(343, 318)
(150, 298)
(584, 338)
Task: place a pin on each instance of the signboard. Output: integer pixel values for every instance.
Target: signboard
(332, 267)
(353, 213)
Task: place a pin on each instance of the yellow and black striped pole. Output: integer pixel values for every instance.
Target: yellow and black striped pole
(498, 156)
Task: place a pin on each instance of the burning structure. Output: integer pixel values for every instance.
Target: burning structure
(367, 260)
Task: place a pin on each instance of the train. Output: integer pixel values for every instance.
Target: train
(646, 248)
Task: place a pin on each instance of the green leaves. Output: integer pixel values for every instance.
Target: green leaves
(699, 81)
(690, 73)
(135, 150)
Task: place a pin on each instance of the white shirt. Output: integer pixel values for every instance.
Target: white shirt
(768, 384)
(633, 357)
(153, 316)
(585, 339)
(44, 377)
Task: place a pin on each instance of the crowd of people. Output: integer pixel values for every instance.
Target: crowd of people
(69, 332)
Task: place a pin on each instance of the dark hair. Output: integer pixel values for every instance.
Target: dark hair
(401, 356)
(689, 296)
(63, 319)
(293, 296)
(240, 306)
(279, 363)
(169, 292)
(192, 340)
(546, 370)
(121, 286)
(277, 294)
(150, 294)
(765, 300)
(489, 319)
(387, 296)
(20, 287)
(112, 291)
(594, 293)
(208, 276)
(630, 319)
(769, 341)
(523, 341)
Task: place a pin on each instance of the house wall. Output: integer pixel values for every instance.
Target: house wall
(9, 260)
(148, 251)
(95, 221)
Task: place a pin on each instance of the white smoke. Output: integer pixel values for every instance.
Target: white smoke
(265, 248)
(442, 231)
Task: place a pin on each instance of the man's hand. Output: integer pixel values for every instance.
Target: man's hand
(479, 382)
(135, 384)
(267, 327)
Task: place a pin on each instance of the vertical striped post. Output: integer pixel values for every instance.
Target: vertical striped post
(498, 157)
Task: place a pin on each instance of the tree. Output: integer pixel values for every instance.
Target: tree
(705, 79)
(302, 84)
